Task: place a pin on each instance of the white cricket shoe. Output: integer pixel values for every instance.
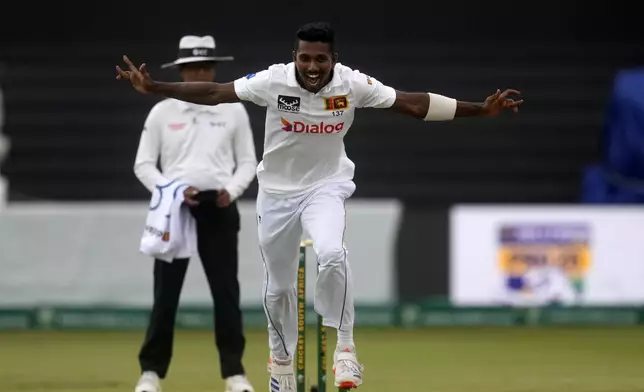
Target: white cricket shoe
(149, 382)
(238, 384)
(347, 369)
(282, 376)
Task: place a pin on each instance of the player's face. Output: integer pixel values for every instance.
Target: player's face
(314, 62)
(198, 72)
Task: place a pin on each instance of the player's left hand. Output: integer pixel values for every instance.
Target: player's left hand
(499, 101)
(223, 198)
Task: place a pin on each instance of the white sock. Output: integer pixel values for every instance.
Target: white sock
(345, 338)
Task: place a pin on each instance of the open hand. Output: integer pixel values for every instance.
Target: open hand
(140, 78)
(496, 103)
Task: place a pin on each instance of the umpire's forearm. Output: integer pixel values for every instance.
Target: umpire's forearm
(149, 175)
(242, 178)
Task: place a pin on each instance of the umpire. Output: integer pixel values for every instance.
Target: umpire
(211, 149)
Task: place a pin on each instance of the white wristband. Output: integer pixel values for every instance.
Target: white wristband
(440, 108)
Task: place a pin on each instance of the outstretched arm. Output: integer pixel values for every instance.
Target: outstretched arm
(434, 107)
(203, 93)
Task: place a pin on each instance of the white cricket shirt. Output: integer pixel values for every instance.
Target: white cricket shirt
(207, 147)
(303, 141)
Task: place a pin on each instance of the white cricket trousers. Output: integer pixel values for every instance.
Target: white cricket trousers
(321, 215)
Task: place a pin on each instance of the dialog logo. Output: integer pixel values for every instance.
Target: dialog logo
(319, 128)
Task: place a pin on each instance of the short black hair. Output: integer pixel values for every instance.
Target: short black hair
(316, 32)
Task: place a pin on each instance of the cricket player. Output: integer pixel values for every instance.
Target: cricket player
(305, 177)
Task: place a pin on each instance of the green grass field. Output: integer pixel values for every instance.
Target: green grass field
(432, 360)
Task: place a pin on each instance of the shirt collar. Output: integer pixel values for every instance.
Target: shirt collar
(291, 81)
(188, 106)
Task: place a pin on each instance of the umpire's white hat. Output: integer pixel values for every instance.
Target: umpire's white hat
(194, 49)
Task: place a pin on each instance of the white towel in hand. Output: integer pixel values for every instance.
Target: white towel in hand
(170, 230)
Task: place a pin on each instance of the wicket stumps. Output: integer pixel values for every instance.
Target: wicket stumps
(300, 358)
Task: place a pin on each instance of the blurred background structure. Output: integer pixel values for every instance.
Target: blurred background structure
(450, 223)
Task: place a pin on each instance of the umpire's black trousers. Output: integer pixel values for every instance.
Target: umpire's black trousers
(217, 231)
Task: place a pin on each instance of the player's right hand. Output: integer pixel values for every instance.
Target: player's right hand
(188, 196)
(140, 78)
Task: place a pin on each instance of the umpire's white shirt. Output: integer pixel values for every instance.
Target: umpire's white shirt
(304, 137)
(207, 147)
